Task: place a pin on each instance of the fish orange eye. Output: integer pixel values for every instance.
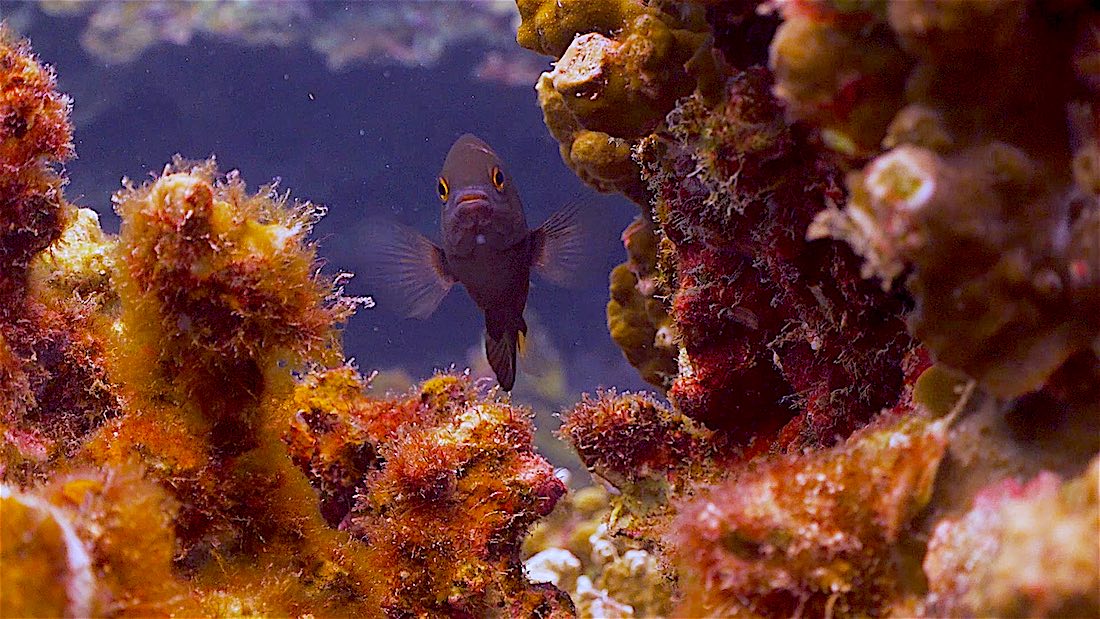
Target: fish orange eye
(443, 189)
(498, 178)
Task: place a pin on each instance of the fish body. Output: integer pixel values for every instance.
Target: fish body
(486, 246)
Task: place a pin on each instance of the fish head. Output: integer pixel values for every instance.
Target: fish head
(481, 205)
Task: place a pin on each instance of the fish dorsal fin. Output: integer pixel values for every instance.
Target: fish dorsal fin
(559, 246)
(406, 272)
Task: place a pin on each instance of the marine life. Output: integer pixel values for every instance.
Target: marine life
(487, 247)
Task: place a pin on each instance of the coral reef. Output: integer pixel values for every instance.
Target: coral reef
(1005, 558)
(807, 149)
(605, 576)
(51, 351)
(979, 196)
(811, 535)
(780, 342)
(171, 442)
(637, 315)
(441, 486)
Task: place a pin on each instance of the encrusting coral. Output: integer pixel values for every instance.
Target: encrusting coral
(979, 196)
(171, 442)
(637, 313)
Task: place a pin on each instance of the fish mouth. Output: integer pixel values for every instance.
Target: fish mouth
(472, 200)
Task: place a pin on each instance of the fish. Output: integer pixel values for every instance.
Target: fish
(485, 245)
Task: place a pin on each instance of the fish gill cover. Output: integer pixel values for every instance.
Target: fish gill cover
(866, 273)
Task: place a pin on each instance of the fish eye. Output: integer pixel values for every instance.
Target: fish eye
(498, 178)
(443, 189)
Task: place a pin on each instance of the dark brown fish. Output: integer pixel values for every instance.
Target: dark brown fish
(486, 246)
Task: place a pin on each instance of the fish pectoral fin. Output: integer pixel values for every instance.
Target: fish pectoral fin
(501, 354)
(561, 245)
(405, 271)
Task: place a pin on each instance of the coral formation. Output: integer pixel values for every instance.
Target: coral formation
(441, 486)
(605, 576)
(637, 315)
(171, 442)
(811, 535)
(929, 141)
(779, 340)
(1017, 553)
(387, 33)
(979, 196)
(51, 352)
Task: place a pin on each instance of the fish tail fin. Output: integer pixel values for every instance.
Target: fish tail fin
(561, 246)
(405, 271)
(501, 351)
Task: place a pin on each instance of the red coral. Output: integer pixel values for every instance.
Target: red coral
(632, 436)
(784, 341)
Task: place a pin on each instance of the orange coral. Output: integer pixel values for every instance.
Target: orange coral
(809, 535)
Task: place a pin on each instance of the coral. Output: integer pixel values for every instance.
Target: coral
(781, 340)
(445, 513)
(440, 485)
(605, 576)
(811, 535)
(975, 175)
(637, 315)
(118, 547)
(51, 350)
(632, 437)
(1024, 550)
(612, 84)
(404, 34)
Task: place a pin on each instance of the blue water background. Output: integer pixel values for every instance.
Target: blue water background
(365, 141)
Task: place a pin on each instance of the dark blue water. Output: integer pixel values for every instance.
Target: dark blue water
(365, 141)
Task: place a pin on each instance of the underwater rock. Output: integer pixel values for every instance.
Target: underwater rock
(1023, 550)
(980, 123)
(812, 535)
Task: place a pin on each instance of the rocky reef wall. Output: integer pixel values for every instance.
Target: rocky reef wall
(865, 273)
